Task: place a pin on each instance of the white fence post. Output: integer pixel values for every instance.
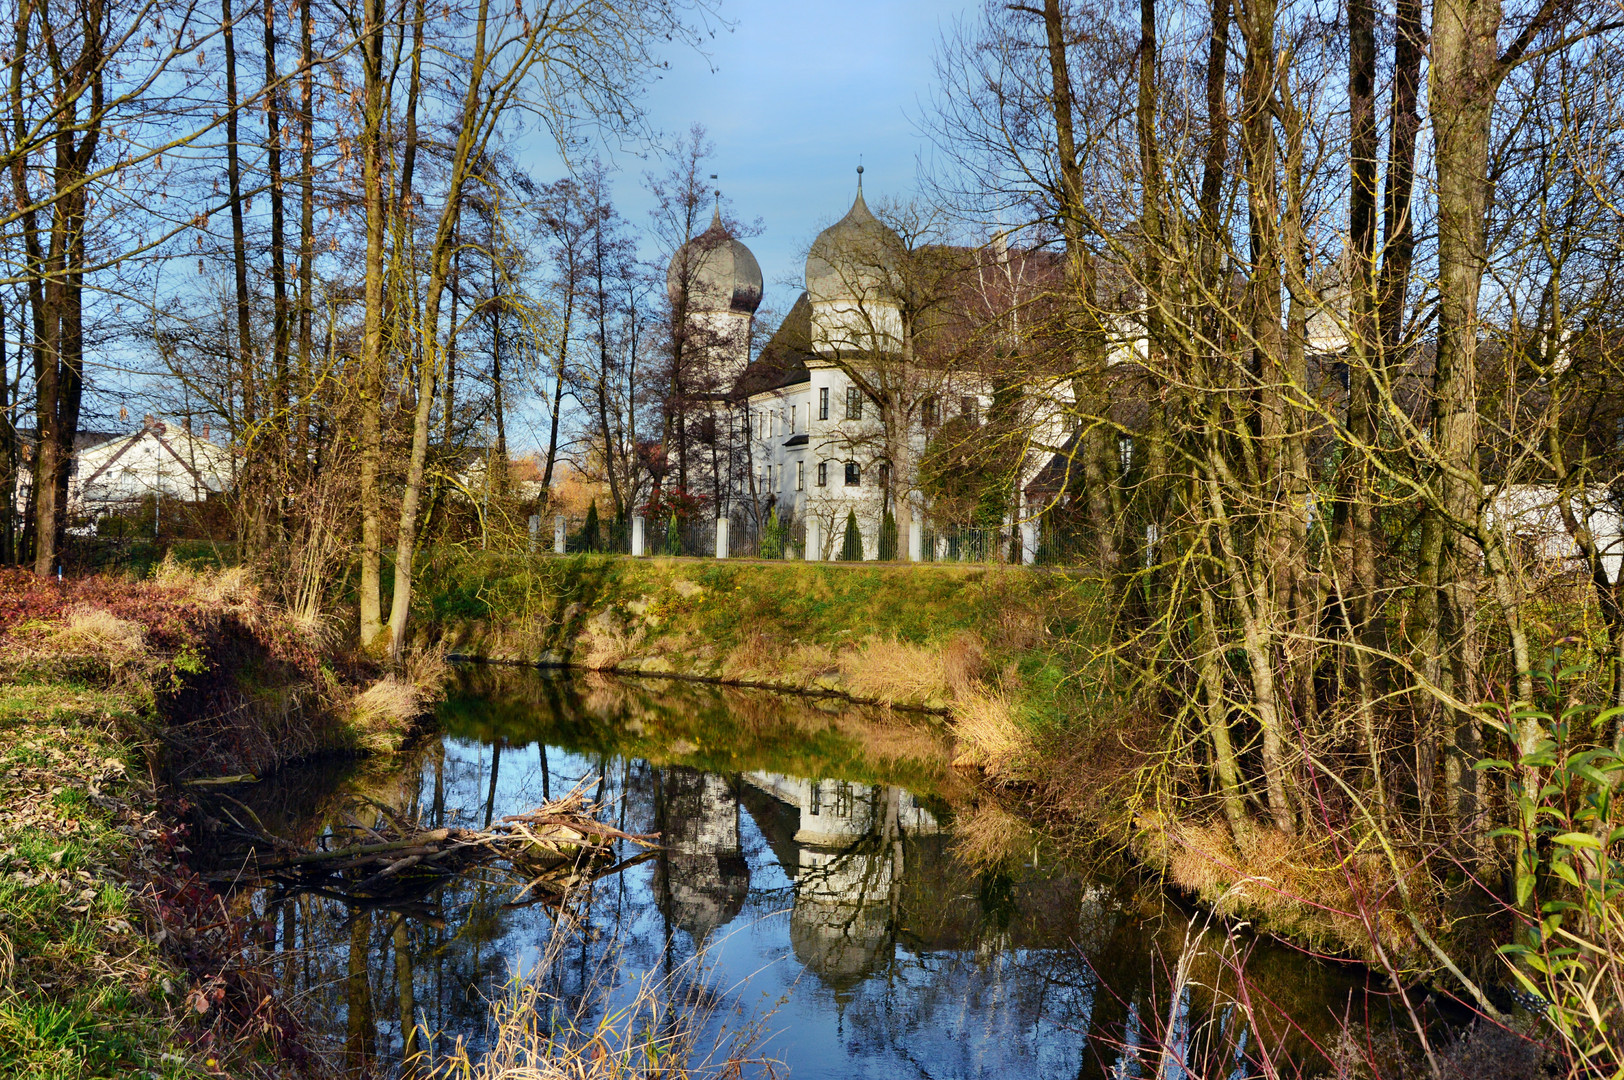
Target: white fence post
(535, 530)
(814, 538)
(723, 546)
(1029, 542)
(637, 535)
(916, 540)
(558, 535)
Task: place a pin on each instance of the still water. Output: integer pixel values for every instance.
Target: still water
(824, 875)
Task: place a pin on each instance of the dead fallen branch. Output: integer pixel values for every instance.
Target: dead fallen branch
(550, 849)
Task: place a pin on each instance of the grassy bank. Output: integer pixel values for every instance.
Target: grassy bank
(1013, 659)
(116, 696)
(923, 637)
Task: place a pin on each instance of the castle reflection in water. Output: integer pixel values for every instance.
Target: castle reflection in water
(870, 867)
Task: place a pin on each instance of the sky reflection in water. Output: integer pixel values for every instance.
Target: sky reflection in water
(809, 853)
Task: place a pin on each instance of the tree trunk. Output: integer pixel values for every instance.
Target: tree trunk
(372, 343)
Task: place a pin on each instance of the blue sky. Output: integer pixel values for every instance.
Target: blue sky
(799, 90)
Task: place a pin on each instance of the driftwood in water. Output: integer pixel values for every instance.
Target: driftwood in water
(551, 848)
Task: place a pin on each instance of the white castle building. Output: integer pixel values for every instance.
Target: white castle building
(814, 434)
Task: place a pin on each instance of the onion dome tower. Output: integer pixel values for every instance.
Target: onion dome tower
(715, 281)
(853, 283)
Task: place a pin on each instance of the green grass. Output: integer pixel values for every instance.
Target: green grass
(80, 988)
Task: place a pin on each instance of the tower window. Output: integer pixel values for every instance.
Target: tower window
(823, 403)
(854, 403)
(854, 474)
(823, 474)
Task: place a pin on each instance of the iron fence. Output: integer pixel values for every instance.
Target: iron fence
(1030, 544)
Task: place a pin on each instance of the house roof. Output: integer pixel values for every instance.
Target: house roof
(782, 362)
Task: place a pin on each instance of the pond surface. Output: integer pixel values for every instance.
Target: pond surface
(825, 874)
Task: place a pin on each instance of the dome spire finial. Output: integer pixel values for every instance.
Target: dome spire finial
(859, 174)
(716, 214)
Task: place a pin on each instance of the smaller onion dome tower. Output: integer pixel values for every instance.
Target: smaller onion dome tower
(715, 282)
(853, 282)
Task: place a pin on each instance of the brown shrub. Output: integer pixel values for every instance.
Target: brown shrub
(605, 643)
(964, 662)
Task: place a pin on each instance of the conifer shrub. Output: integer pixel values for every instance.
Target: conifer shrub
(888, 537)
(772, 536)
(673, 537)
(590, 538)
(851, 550)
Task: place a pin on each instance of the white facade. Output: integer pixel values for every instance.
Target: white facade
(1530, 516)
(816, 451)
(159, 460)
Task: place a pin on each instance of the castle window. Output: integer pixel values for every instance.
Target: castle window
(823, 403)
(854, 403)
(854, 474)
(823, 474)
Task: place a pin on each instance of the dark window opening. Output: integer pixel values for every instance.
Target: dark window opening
(823, 474)
(930, 411)
(823, 403)
(854, 403)
(854, 474)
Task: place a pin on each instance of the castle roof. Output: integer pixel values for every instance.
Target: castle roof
(721, 273)
(855, 259)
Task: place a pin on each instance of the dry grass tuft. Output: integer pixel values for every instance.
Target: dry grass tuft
(1289, 884)
(1018, 628)
(753, 657)
(541, 1036)
(988, 836)
(989, 737)
(807, 664)
(895, 672)
(384, 712)
(97, 633)
(233, 586)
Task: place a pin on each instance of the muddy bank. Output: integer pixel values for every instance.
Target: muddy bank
(117, 700)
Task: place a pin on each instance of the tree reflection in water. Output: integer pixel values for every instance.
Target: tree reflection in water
(809, 865)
